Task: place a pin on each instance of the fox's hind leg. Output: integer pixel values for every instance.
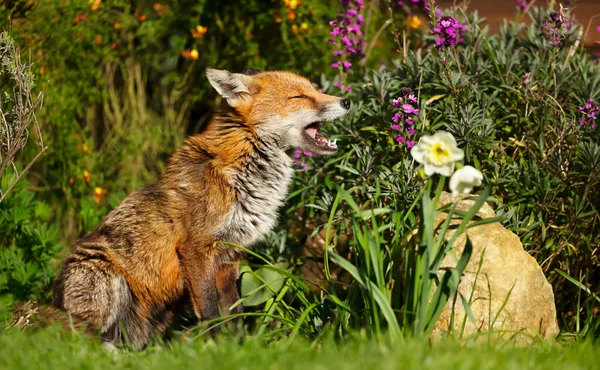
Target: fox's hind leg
(89, 289)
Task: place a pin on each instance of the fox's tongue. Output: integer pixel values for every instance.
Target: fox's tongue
(314, 132)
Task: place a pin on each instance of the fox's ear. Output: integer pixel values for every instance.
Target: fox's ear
(232, 86)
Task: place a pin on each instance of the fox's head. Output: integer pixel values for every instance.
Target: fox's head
(281, 107)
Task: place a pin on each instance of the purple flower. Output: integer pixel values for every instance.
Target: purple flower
(424, 5)
(522, 5)
(347, 36)
(298, 154)
(404, 118)
(408, 109)
(448, 32)
(589, 109)
(554, 25)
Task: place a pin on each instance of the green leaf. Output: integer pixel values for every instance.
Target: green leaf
(260, 285)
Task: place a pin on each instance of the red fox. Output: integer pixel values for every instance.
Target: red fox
(159, 248)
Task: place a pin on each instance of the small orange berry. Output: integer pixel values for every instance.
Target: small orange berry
(86, 176)
(194, 54)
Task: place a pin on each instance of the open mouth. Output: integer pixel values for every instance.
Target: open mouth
(313, 132)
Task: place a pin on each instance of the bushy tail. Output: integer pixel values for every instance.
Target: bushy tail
(32, 315)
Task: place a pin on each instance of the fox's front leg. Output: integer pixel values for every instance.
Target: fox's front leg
(200, 277)
(226, 279)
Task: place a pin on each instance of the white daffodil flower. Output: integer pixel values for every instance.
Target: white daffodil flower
(464, 180)
(437, 153)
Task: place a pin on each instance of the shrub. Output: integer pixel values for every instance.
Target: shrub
(513, 102)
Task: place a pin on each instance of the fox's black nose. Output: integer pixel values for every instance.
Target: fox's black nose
(345, 103)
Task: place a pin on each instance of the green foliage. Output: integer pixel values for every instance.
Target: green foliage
(511, 101)
(29, 243)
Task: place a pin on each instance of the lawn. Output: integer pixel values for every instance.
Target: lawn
(53, 349)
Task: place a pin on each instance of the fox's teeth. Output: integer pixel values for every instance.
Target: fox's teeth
(334, 141)
(329, 142)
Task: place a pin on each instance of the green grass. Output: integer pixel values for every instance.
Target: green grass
(54, 349)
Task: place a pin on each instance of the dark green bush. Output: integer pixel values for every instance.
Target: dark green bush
(511, 100)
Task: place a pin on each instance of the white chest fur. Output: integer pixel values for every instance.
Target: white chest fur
(261, 189)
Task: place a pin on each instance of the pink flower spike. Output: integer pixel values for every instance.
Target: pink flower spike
(297, 154)
(347, 64)
(308, 154)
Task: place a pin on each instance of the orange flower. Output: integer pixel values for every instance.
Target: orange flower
(80, 17)
(95, 4)
(86, 176)
(291, 16)
(142, 18)
(116, 25)
(190, 54)
(414, 22)
(98, 40)
(198, 32)
(113, 46)
(71, 181)
(295, 29)
(99, 192)
(42, 70)
(291, 4)
(86, 148)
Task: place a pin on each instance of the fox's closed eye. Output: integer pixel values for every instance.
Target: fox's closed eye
(301, 96)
